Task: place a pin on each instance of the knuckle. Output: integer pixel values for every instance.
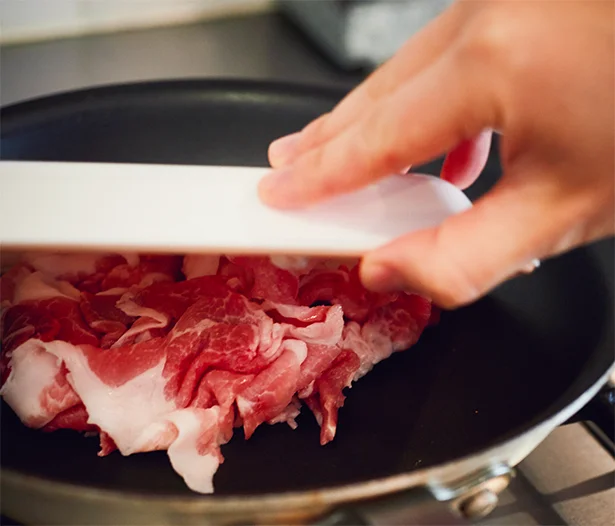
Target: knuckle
(377, 146)
(313, 133)
(314, 162)
(318, 168)
(450, 287)
(455, 284)
(484, 39)
(454, 293)
(497, 41)
(374, 82)
(383, 80)
(388, 161)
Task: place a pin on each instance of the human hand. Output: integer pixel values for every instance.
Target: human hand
(539, 72)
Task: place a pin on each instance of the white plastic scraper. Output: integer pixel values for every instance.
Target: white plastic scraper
(187, 209)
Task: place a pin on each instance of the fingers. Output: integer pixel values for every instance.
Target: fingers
(440, 108)
(470, 253)
(419, 52)
(466, 161)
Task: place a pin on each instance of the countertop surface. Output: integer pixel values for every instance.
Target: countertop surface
(569, 478)
(261, 47)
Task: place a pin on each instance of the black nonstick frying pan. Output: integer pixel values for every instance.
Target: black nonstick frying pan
(429, 435)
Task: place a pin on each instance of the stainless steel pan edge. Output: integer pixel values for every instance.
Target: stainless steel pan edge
(442, 490)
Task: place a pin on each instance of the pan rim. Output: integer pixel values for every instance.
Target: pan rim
(13, 116)
(509, 452)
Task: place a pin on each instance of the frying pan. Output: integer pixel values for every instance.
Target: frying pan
(430, 435)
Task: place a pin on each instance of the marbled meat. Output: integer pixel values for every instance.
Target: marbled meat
(173, 353)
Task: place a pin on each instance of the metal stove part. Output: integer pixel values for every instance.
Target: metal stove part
(357, 34)
(479, 505)
(470, 498)
(477, 495)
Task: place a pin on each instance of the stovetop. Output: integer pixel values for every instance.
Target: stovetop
(568, 479)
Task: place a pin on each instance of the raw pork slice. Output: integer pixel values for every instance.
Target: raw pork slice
(171, 353)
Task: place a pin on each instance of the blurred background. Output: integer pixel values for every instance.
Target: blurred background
(56, 45)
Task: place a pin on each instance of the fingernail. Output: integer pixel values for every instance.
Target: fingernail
(531, 266)
(527, 269)
(283, 148)
(381, 278)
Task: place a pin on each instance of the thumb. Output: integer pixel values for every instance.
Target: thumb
(472, 252)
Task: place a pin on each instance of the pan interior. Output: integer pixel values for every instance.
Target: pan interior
(484, 374)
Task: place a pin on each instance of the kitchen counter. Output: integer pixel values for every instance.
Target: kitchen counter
(255, 47)
(569, 478)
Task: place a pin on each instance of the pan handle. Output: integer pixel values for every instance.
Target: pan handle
(470, 498)
(414, 506)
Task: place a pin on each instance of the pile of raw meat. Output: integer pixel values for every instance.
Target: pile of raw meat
(173, 353)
